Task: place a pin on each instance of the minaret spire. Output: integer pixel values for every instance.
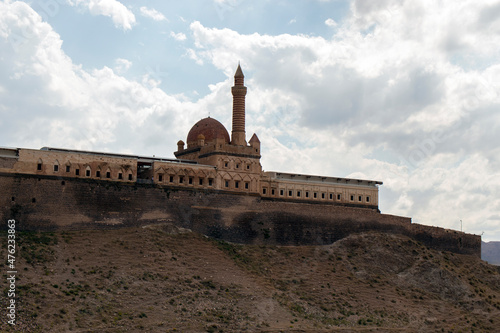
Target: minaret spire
(239, 91)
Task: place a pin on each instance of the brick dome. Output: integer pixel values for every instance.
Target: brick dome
(210, 128)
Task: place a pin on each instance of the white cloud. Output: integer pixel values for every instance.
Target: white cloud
(178, 36)
(122, 65)
(152, 13)
(121, 16)
(50, 97)
(330, 22)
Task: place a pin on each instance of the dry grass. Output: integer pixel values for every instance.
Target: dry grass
(161, 279)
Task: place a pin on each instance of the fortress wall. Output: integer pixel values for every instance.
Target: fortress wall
(49, 203)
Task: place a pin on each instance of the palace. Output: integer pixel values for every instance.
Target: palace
(211, 159)
(215, 186)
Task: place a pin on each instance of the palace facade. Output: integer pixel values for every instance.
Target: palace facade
(210, 159)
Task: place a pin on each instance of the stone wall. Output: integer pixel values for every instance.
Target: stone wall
(49, 203)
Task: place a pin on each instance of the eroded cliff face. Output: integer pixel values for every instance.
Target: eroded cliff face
(161, 277)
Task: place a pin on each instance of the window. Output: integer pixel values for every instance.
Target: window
(87, 172)
(181, 179)
(56, 168)
(39, 166)
(322, 195)
(298, 193)
(68, 168)
(315, 195)
(247, 186)
(272, 191)
(248, 166)
(227, 183)
(367, 199)
(108, 174)
(98, 173)
(360, 198)
(264, 190)
(237, 184)
(282, 192)
(190, 180)
(129, 176)
(226, 164)
(352, 197)
(171, 179)
(77, 172)
(290, 193)
(160, 177)
(210, 182)
(339, 197)
(307, 194)
(331, 196)
(120, 175)
(237, 165)
(201, 181)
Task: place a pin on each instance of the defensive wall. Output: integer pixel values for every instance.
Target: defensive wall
(44, 202)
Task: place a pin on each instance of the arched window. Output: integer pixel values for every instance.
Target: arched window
(39, 165)
(88, 171)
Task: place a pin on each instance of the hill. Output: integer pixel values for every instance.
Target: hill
(166, 279)
(490, 252)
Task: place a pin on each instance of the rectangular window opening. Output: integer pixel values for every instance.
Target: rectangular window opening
(68, 168)
(160, 177)
(98, 173)
(190, 180)
(352, 197)
(171, 179)
(210, 182)
(360, 198)
(264, 190)
(77, 172)
(315, 195)
(130, 176)
(367, 199)
(108, 174)
(120, 175)
(56, 168)
(87, 173)
(339, 196)
(298, 193)
(39, 166)
(282, 192)
(236, 184)
(247, 186)
(201, 181)
(322, 195)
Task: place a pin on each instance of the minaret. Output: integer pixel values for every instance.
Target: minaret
(239, 91)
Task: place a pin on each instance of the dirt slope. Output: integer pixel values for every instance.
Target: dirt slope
(164, 279)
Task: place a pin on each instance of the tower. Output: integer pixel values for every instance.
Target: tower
(239, 91)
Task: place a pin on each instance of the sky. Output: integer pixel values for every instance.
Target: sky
(404, 92)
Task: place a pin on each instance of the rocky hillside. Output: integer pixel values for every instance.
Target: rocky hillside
(164, 279)
(490, 252)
